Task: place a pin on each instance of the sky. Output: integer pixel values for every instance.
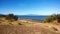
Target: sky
(26, 7)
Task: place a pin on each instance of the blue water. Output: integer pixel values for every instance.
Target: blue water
(33, 17)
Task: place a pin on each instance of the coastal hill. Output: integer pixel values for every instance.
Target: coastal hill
(13, 25)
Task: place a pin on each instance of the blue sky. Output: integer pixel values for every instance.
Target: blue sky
(26, 7)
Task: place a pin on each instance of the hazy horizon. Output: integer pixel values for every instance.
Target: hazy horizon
(30, 7)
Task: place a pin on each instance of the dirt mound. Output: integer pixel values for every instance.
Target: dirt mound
(7, 29)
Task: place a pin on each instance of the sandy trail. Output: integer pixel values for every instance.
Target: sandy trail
(22, 29)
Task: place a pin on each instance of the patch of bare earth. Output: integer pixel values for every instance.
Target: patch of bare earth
(22, 29)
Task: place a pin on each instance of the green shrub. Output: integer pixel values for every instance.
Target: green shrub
(58, 18)
(15, 18)
(11, 17)
(52, 18)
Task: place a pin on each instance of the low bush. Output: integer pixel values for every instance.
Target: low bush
(52, 18)
(11, 17)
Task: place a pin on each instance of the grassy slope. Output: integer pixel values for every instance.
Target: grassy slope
(27, 27)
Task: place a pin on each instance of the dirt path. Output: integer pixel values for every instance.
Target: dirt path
(22, 29)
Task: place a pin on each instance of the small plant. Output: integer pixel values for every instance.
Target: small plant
(19, 23)
(10, 23)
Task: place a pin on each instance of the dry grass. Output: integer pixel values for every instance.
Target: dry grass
(27, 27)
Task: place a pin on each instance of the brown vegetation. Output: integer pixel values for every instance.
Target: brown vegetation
(9, 26)
(52, 18)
